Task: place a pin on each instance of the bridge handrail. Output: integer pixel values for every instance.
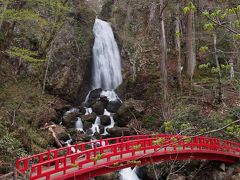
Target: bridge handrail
(46, 156)
(197, 142)
(202, 144)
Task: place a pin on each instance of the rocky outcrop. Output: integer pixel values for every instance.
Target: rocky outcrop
(105, 120)
(70, 119)
(89, 118)
(98, 108)
(119, 131)
(70, 54)
(113, 106)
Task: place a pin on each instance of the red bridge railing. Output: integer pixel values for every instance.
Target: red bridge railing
(95, 158)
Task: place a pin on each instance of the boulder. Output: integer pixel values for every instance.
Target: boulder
(136, 105)
(104, 100)
(113, 106)
(93, 96)
(89, 132)
(61, 133)
(105, 120)
(89, 118)
(119, 131)
(87, 124)
(79, 137)
(70, 119)
(64, 108)
(98, 108)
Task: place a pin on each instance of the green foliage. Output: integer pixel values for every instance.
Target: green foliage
(177, 34)
(234, 129)
(134, 162)
(236, 36)
(204, 66)
(190, 7)
(185, 126)
(158, 141)
(186, 10)
(168, 126)
(136, 147)
(10, 148)
(25, 54)
(187, 139)
(203, 48)
(208, 26)
(98, 157)
(215, 70)
(12, 15)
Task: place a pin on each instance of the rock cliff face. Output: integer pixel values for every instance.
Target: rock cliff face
(70, 66)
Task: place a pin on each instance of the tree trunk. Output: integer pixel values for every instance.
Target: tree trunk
(5, 5)
(191, 59)
(163, 58)
(219, 98)
(178, 49)
(231, 68)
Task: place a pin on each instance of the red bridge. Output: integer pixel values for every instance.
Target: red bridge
(91, 159)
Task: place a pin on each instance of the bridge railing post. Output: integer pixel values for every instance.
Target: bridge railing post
(49, 157)
(121, 149)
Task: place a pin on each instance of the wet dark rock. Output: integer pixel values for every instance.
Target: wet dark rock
(93, 97)
(123, 116)
(89, 132)
(79, 137)
(104, 100)
(105, 120)
(113, 106)
(119, 131)
(98, 108)
(101, 128)
(120, 121)
(82, 110)
(97, 135)
(87, 125)
(90, 118)
(70, 119)
(63, 108)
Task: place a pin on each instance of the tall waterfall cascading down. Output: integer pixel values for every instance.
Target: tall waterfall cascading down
(106, 70)
(106, 58)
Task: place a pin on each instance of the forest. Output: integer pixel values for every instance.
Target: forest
(78, 71)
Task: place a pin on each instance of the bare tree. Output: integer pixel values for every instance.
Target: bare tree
(219, 98)
(178, 47)
(163, 48)
(191, 58)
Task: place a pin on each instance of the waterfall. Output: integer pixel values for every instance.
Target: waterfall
(79, 124)
(95, 126)
(128, 174)
(106, 58)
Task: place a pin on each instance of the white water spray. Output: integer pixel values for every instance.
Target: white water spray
(79, 124)
(128, 174)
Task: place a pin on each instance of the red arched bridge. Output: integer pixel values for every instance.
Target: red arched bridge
(91, 159)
